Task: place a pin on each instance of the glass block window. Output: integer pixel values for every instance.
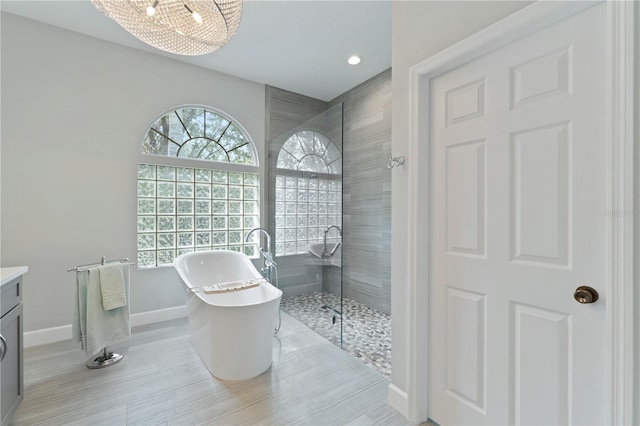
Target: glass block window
(307, 206)
(182, 209)
(198, 133)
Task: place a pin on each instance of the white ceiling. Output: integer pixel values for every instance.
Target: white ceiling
(298, 45)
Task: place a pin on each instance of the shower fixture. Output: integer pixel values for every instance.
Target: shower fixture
(269, 263)
(326, 254)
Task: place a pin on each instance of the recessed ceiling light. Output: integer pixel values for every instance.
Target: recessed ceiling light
(354, 60)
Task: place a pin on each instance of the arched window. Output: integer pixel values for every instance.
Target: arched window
(307, 203)
(310, 151)
(201, 134)
(198, 186)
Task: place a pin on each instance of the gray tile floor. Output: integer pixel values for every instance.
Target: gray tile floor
(162, 381)
(366, 332)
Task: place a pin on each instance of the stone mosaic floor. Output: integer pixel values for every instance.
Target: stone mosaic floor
(366, 332)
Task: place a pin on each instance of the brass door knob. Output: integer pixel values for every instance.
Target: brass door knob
(585, 294)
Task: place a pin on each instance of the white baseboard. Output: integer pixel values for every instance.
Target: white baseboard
(159, 315)
(398, 400)
(63, 332)
(47, 335)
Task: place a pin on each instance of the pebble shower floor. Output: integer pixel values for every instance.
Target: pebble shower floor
(366, 332)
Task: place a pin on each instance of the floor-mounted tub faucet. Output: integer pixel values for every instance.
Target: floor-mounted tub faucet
(324, 250)
(268, 256)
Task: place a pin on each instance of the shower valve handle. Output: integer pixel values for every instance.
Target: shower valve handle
(268, 258)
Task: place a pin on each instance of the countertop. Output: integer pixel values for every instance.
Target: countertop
(8, 274)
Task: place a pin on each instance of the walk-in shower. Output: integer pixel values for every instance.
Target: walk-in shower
(305, 216)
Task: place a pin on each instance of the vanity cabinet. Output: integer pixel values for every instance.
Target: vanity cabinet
(11, 347)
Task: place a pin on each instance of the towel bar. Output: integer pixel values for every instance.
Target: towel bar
(102, 262)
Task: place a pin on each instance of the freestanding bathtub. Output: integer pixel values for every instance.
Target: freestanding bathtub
(232, 327)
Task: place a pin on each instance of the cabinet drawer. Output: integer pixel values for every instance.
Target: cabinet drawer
(11, 295)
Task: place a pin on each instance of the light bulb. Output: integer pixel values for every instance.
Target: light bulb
(196, 16)
(354, 60)
(151, 10)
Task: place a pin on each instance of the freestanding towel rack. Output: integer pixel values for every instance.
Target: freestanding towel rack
(107, 358)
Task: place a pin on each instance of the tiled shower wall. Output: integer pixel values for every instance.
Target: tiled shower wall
(366, 200)
(366, 194)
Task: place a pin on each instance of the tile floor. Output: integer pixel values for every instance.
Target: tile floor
(162, 381)
(366, 332)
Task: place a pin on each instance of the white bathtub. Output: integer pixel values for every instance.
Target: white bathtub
(232, 331)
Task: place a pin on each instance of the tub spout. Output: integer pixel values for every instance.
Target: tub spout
(264, 231)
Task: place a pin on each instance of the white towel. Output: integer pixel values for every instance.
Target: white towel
(112, 286)
(104, 328)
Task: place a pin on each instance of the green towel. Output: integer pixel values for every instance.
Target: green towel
(79, 324)
(112, 286)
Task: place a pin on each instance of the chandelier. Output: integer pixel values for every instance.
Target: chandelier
(183, 27)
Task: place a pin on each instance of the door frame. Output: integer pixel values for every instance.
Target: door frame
(621, 26)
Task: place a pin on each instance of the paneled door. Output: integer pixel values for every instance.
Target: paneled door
(518, 189)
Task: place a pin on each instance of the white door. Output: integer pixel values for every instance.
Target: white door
(518, 187)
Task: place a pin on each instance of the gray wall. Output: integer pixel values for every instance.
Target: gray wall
(74, 112)
(367, 192)
(366, 203)
(286, 110)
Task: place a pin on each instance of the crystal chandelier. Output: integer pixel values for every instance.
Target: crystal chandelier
(183, 27)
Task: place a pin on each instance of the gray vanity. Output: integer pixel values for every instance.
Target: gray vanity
(11, 344)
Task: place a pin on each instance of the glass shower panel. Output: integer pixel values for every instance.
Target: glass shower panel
(305, 217)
